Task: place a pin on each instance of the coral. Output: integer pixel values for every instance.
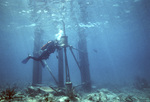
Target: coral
(8, 94)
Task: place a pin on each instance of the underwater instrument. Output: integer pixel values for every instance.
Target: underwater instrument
(63, 42)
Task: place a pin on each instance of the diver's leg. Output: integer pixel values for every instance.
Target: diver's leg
(38, 59)
(44, 55)
(35, 58)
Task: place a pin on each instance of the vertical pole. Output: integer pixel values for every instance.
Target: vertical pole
(82, 44)
(66, 66)
(60, 68)
(38, 33)
(84, 63)
(68, 84)
(37, 68)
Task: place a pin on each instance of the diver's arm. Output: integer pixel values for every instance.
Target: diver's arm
(59, 47)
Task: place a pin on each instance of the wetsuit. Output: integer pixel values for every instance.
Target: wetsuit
(47, 49)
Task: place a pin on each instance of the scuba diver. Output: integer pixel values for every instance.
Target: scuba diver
(47, 49)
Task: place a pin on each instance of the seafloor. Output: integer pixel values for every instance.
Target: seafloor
(97, 94)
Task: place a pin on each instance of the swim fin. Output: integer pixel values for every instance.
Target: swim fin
(26, 60)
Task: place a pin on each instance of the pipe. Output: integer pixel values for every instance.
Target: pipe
(75, 58)
(49, 71)
(64, 28)
(66, 67)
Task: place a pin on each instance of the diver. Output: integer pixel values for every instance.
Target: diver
(47, 49)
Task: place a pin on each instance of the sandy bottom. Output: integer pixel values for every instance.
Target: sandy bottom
(47, 94)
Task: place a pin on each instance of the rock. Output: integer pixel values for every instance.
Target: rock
(64, 99)
(104, 91)
(45, 90)
(95, 97)
(129, 99)
(33, 91)
(107, 96)
(48, 97)
(31, 100)
(113, 97)
(102, 95)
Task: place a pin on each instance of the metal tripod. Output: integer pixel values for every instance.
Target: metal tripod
(64, 45)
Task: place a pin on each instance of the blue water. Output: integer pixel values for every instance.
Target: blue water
(117, 34)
